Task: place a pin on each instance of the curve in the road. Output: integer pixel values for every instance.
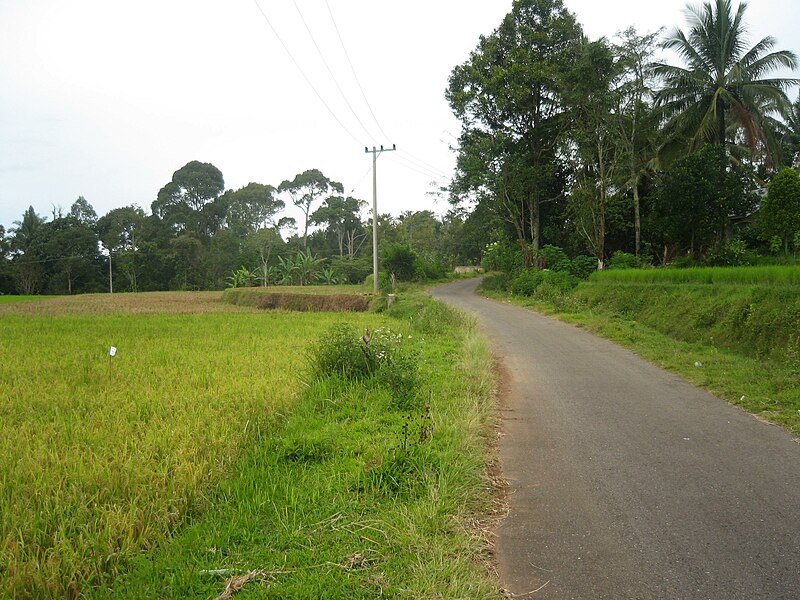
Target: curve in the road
(628, 482)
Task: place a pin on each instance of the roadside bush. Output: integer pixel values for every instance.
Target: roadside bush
(401, 260)
(529, 283)
(625, 260)
(561, 281)
(526, 282)
(500, 256)
(426, 267)
(384, 283)
(347, 353)
(496, 283)
(353, 271)
(426, 315)
(555, 258)
(729, 254)
(582, 266)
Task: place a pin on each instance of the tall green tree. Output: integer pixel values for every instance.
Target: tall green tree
(725, 87)
(779, 215)
(792, 137)
(121, 232)
(69, 251)
(510, 91)
(26, 228)
(307, 188)
(83, 212)
(252, 207)
(696, 198)
(594, 142)
(189, 200)
(636, 121)
(342, 220)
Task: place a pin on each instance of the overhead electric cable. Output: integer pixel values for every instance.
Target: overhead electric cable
(419, 160)
(353, 70)
(399, 159)
(299, 68)
(360, 181)
(412, 159)
(409, 167)
(330, 71)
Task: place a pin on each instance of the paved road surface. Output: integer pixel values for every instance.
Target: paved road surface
(626, 481)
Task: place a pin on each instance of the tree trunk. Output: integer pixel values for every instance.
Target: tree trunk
(534, 209)
(637, 215)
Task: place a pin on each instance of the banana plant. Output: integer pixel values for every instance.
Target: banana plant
(242, 277)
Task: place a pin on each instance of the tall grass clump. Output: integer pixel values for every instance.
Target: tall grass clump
(381, 354)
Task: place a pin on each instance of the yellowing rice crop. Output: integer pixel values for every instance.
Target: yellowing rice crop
(102, 457)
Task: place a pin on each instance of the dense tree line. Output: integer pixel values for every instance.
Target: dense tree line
(198, 235)
(570, 148)
(597, 146)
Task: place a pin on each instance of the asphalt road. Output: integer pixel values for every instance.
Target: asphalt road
(628, 482)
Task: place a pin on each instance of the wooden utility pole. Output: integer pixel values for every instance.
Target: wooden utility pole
(375, 153)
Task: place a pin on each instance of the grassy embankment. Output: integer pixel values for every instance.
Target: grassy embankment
(201, 448)
(741, 324)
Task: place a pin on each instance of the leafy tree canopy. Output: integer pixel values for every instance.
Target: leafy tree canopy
(191, 188)
(779, 215)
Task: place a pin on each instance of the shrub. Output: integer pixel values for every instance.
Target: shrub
(583, 266)
(344, 352)
(426, 267)
(384, 283)
(400, 375)
(526, 282)
(555, 258)
(529, 282)
(559, 280)
(624, 260)
(426, 315)
(684, 262)
(401, 260)
(729, 254)
(499, 256)
(353, 271)
(496, 283)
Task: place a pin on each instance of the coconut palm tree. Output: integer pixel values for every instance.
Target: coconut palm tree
(723, 92)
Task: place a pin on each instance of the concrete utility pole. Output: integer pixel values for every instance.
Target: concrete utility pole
(375, 153)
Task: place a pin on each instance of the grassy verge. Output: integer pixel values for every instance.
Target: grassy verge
(352, 494)
(760, 383)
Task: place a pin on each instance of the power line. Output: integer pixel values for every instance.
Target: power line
(411, 158)
(411, 167)
(299, 68)
(330, 71)
(360, 181)
(353, 70)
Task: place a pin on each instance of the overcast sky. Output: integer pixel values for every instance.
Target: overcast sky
(105, 99)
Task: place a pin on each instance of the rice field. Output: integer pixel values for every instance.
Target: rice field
(102, 457)
(776, 276)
